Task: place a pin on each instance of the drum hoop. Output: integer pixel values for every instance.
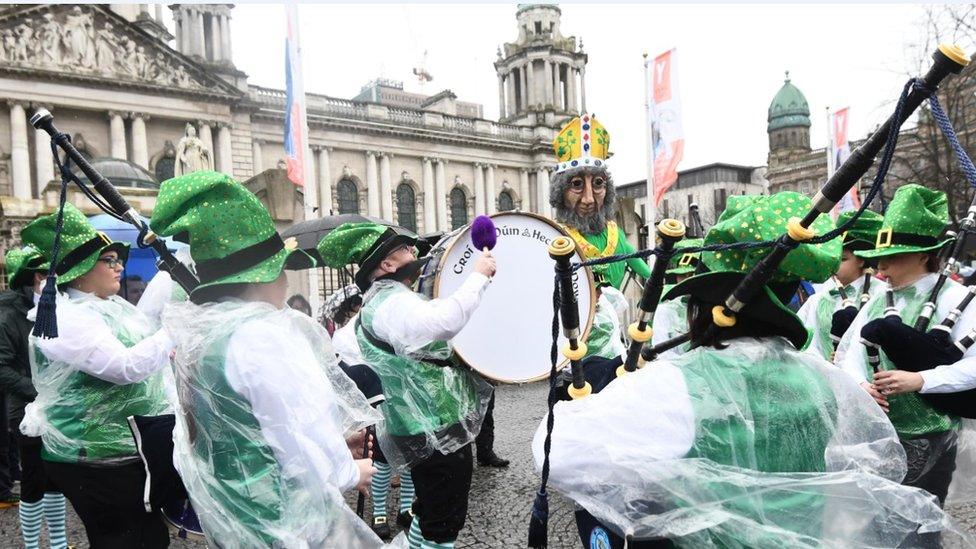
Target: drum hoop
(589, 281)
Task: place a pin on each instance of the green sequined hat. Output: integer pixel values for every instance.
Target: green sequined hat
(754, 219)
(81, 244)
(21, 263)
(364, 244)
(685, 263)
(863, 234)
(913, 222)
(231, 235)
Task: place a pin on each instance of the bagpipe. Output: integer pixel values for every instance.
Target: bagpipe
(947, 60)
(108, 199)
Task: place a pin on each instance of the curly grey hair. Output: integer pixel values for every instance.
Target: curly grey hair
(590, 224)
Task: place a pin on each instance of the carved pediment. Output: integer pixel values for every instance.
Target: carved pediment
(90, 42)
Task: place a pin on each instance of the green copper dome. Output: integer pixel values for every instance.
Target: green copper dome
(789, 108)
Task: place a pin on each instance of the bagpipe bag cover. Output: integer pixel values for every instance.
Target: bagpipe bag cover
(744, 419)
(250, 485)
(70, 404)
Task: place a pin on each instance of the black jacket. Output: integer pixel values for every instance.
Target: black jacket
(15, 373)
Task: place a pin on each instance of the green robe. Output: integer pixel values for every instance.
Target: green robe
(615, 271)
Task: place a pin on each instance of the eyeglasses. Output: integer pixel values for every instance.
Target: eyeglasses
(112, 262)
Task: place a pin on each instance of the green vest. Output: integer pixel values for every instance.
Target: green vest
(615, 271)
(774, 416)
(421, 398)
(88, 416)
(910, 415)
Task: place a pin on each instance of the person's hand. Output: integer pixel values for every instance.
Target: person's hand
(366, 472)
(876, 395)
(355, 443)
(894, 382)
(485, 265)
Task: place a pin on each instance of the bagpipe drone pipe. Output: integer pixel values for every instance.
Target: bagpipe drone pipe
(947, 60)
(108, 200)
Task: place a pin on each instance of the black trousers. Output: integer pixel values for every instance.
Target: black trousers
(931, 462)
(109, 501)
(442, 483)
(485, 442)
(34, 480)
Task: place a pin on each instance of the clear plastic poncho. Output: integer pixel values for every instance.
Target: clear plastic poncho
(428, 408)
(671, 320)
(757, 445)
(262, 415)
(82, 418)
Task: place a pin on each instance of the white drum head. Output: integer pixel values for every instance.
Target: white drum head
(509, 337)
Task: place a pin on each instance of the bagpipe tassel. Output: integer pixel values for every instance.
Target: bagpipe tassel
(46, 323)
(539, 523)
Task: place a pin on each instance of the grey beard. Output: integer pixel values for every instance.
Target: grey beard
(590, 224)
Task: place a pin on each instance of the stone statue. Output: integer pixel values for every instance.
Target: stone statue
(24, 41)
(181, 78)
(79, 38)
(142, 63)
(49, 36)
(192, 155)
(106, 45)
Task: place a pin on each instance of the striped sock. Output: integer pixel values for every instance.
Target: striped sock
(30, 523)
(380, 487)
(54, 513)
(406, 491)
(417, 540)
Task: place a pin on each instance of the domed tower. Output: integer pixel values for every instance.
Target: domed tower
(788, 120)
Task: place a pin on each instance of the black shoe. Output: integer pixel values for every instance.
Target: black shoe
(490, 459)
(404, 518)
(381, 528)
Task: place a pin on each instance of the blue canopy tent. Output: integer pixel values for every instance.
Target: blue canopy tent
(142, 261)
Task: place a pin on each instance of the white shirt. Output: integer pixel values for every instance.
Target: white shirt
(346, 345)
(808, 312)
(948, 378)
(157, 294)
(86, 343)
(408, 322)
(293, 403)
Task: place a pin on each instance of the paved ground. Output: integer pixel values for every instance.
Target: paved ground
(500, 498)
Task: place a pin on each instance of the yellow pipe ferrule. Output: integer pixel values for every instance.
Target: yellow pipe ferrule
(561, 245)
(672, 228)
(577, 394)
(621, 370)
(575, 354)
(798, 232)
(636, 334)
(955, 53)
(721, 318)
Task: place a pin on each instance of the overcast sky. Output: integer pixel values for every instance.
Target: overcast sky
(731, 61)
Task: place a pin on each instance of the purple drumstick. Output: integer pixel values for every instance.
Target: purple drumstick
(483, 233)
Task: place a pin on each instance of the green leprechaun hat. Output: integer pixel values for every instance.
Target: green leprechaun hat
(913, 222)
(364, 244)
(21, 263)
(685, 263)
(864, 232)
(755, 219)
(81, 244)
(231, 235)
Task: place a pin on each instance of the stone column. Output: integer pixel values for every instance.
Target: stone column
(372, 185)
(386, 187)
(430, 196)
(524, 94)
(547, 84)
(557, 96)
(200, 47)
(325, 181)
(159, 13)
(140, 146)
(583, 89)
(186, 31)
(225, 47)
(530, 84)
(501, 97)
(178, 25)
(479, 189)
(225, 158)
(571, 89)
(43, 158)
(510, 89)
(214, 38)
(440, 194)
(524, 191)
(257, 161)
(116, 128)
(19, 153)
(491, 195)
(206, 135)
(542, 191)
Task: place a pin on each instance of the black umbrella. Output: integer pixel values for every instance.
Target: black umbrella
(309, 233)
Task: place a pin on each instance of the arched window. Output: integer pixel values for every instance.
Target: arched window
(505, 202)
(459, 208)
(348, 197)
(406, 207)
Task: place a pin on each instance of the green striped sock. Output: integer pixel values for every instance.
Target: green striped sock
(30, 523)
(54, 514)
(413, 537)
(406, 491)
(380, 487)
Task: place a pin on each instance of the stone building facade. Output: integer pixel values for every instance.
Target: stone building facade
(125, 88)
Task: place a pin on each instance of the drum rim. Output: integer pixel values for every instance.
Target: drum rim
(589, 280)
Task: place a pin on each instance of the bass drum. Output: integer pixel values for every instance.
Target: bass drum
(509, 337)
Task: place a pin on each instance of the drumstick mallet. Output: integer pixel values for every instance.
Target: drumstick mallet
(483, 234)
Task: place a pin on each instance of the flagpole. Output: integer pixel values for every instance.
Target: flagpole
(830, 144)
(650, 208)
